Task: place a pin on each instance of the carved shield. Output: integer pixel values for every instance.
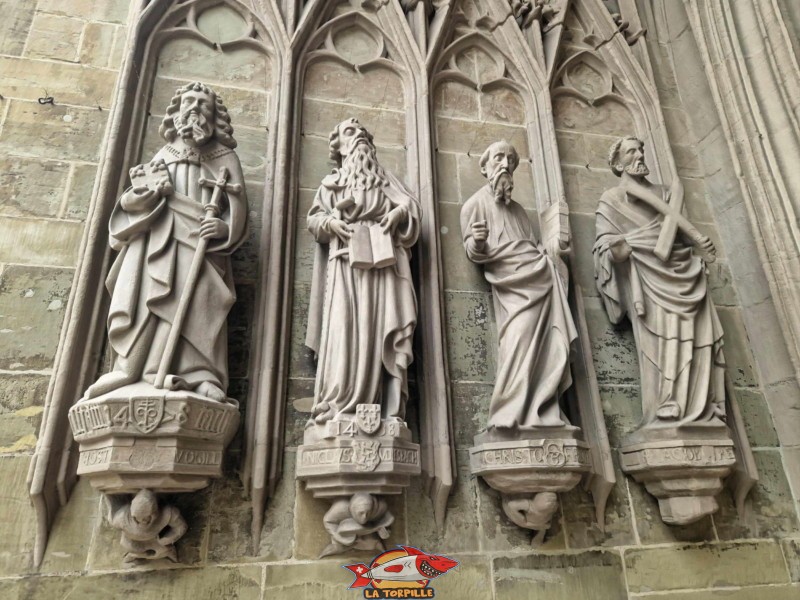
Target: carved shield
(368, 417)
(365, 454)
(147, 413)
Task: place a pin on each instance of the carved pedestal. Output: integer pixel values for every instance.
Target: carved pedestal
(351, 462)
(685, 470)
(529, 467)
(142, 441)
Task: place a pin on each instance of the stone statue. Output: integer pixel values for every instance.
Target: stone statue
(678, 334)
(161, 418)
(648, 271)
(175, 229)
(529, 451)
(360, 523)
(363, 306)
(363, 310)
(148, 532)
(535, 328)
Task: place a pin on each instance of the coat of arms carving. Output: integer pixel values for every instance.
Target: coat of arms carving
(365, 454)
(368, 417)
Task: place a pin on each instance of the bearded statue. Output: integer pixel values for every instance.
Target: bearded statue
(363, 306)
(164, 227)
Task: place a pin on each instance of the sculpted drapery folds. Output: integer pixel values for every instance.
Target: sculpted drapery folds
(677, 331)
(535, 328)
(363, 306)
(156, 227)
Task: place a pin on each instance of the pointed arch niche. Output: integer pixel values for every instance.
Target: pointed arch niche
(239, 51)
(360, 59)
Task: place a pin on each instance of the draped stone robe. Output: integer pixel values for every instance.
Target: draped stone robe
(535, 327)
(361, 321)
(156, 247)
(678, 334)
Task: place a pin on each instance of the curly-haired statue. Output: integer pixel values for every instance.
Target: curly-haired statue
(175, 229)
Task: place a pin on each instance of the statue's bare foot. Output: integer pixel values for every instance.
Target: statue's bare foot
(669, 410)
(108, 383)
(209, 390)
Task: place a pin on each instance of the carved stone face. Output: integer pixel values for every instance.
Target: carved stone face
(195, 117)
(497, 165)
(351, 134)
(144, 508)
(361, 508)
(630, 158)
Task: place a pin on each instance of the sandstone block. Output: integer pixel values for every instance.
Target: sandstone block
(54, 37)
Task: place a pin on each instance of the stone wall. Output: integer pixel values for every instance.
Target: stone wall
(70, 50)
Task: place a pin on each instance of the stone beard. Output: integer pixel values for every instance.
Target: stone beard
(362, 316)
(677, 331)
(535, 327)
(156, 237)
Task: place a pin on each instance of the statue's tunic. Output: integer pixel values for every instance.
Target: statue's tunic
(535, 328)
(361, 321)
(156, 247)
(677, 331)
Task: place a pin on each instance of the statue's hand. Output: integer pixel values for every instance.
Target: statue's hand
(392, 219)
(138, 199)
(620, 249)
(480, 233)
(213, 228)
(705, 245)
(340, 229)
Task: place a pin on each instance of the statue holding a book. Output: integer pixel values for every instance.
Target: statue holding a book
(363, 307)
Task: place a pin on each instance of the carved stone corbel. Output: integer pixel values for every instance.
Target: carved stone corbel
(159, 420)
(530, 450)
(362, 317)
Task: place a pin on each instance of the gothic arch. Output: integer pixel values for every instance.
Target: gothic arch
(52, 472)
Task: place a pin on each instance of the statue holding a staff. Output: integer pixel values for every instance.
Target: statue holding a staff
(175, 229)
(648, 268)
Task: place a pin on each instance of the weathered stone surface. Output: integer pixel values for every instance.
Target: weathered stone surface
(460, 533)
(80, 190)
(32, 304)
(453, 99)
(772, 592)
(71, 535)
(738, 356)
(582, 241)
(719, 565)
(580, 522)
(500, 534)
(330, 80)
(613, 350)
(31, 187)
(242, 583)
(608, 118)
(32, 128)
(98, 41)
(17, 520)
(584, 186)
(26, 241)
(470, 340)
(115, 11)
(54, 37)
(720, 283)
(770, 509)
(471, 137)
(791, 550)
(301, 358)
(459, 273)
(192, 60)
(504, 105)
(622, 408)
(300, 400)
(756, 417)
(651, 527)
(471, 410)
(321, 116)
(17, 19)
(595, 574)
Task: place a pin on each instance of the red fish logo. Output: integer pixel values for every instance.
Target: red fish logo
(401, 573)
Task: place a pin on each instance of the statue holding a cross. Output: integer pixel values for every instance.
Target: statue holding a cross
(171, 284)
(650, 267)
